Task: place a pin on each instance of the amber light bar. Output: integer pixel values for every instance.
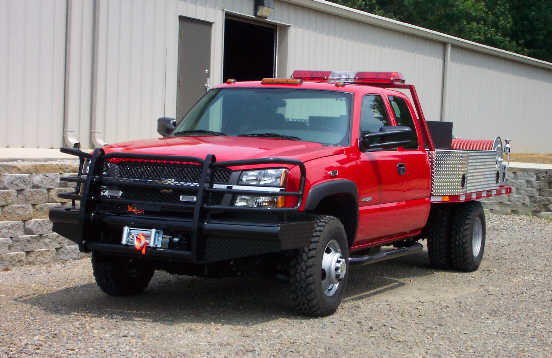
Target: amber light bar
(281, 81)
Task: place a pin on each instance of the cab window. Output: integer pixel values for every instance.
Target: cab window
(404, 118)
(373, 114)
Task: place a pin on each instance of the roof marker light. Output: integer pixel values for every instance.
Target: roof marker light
(281, 81)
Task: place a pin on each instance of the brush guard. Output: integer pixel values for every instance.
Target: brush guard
(210, 240)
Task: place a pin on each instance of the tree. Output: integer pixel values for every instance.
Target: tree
(523, 26)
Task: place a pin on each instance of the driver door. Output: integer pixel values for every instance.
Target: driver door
(380, 185)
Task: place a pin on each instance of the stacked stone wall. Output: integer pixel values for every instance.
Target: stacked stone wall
(27, 192)
(531, 193)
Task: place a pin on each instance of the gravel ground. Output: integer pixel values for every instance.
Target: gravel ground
(392, 309)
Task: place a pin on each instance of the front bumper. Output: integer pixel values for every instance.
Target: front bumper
(217, 240)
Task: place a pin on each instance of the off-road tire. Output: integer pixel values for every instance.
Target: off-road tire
(461, 244)
(438, 232)
(306, 266)
(119, 276)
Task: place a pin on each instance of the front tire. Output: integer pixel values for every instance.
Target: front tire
(318, 272)
(468, 237)
(120, 276)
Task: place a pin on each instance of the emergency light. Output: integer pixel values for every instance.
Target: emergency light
(368, 78)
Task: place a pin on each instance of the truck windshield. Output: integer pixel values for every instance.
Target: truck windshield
(300, 114)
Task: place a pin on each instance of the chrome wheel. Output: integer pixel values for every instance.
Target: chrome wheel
(334, 268)
(477, 236)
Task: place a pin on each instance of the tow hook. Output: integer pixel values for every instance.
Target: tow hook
(140, 243)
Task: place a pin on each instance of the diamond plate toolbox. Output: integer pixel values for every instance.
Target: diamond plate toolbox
(457, 172)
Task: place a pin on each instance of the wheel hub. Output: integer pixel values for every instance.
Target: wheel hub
(334, 268)
(477, 236)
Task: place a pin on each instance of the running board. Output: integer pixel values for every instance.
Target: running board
(387, 255)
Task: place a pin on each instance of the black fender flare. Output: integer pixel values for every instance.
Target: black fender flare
(334, 187)
(320, 191)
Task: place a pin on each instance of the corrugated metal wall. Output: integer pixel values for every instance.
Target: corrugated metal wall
(320, 41)
(32, 72)
(130, 92)
(489, 96)
(122, 58)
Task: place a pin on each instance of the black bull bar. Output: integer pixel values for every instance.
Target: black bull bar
(210, 240)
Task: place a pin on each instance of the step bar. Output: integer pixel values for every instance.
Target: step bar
(387, 255)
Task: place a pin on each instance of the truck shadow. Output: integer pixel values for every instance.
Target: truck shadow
(235, 301)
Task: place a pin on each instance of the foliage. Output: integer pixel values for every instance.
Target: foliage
(522, 26)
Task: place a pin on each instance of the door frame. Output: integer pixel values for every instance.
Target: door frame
(278, 26)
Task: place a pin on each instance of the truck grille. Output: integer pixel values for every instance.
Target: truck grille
(186, 175)
(159, 171)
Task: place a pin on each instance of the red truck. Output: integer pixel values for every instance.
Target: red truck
(299, 177)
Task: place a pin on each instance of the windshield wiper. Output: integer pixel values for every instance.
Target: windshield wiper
(198, 131)
(269, 135)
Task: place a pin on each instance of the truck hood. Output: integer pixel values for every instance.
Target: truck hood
(227, 148)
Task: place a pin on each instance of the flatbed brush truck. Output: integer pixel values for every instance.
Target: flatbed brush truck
(300, 176)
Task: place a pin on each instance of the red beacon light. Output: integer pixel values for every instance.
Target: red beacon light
(380, 78)
(368, 78)
(320, 76)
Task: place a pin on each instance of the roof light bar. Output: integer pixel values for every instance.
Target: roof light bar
(369, 78)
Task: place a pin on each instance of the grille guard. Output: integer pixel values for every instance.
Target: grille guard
(88, 193)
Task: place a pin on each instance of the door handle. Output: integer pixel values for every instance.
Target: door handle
(401, 169)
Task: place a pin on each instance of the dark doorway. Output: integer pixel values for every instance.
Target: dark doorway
(249, 50)
(194, 56)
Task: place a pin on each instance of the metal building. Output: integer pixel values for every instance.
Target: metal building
(101, 71)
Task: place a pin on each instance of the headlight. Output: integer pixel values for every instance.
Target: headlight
(264, 177)
(259, 201)
(270, 180)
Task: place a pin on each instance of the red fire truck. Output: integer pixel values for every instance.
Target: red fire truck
(300, 176)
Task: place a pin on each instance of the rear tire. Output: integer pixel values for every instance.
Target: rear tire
(120, 276)
(318, 272)
(438, 236)
(468, 237)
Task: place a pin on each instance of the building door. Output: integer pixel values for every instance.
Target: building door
(194, 54)
(249, 50)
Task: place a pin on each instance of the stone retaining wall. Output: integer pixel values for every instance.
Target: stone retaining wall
(531, 193)
(29, 189)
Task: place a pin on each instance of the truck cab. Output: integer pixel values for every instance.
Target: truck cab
(304, 175)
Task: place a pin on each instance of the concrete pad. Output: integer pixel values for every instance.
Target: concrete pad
(520, 165)
(32, 154)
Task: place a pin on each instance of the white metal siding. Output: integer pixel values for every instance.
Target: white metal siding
(320, 41)
(121, 75)
(489, 96)
(78, 95)
(317, 40)
(130, 78)
(32, 72)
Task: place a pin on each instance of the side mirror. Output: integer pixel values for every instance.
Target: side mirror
(165, 126)
(387, 137)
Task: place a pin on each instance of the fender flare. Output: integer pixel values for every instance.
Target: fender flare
(320, 191)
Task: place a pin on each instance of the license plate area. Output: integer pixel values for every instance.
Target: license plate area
(153, 237)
